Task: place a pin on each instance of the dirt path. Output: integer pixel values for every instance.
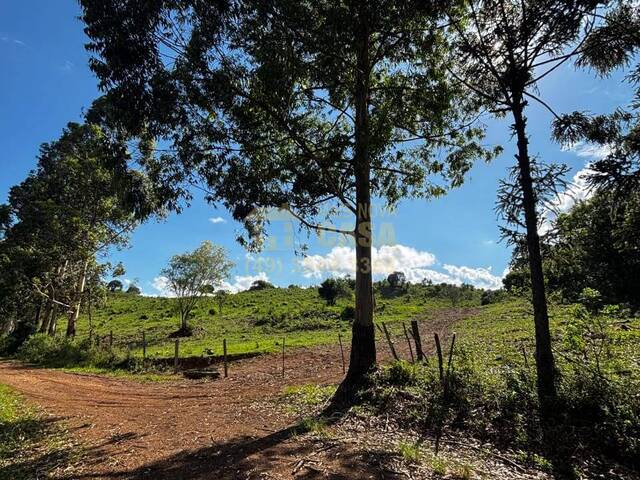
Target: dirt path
(228, 428)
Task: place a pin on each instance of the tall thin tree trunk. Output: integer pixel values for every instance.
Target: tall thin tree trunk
(544, 355)
(46, 316)
(363, 347)
(53, 323)
(75, 312)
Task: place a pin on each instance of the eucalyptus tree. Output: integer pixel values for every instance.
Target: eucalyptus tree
(189, 274)
(503, 49)
(313, 107)
(81, 199)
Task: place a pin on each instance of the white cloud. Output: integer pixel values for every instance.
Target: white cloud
(217, 220)
(386, 259)
(578, 189)
(413, 263)
(161, 285)
(242, 283)
(479, 277)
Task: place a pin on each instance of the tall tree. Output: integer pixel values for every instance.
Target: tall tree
(189, 273)
(503, 49)
(81, 199)
(309, 106)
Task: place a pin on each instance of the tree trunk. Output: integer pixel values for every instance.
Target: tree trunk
(75, 313)
(53, 323)
(46, 316)
(544, 355)
(363, 347)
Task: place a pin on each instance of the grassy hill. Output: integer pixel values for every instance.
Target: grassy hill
(254, 321)
(257, 321)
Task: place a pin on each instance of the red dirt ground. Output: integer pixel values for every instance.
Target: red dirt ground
(227, 428)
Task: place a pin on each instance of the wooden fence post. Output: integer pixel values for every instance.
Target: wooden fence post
(453, 342)
(439, 352)
(176, 356)
(341, 353)
(224, 357)
(416, 338)
(391, 347)
(111, 339)
(406, 335)
(283, 340)
(144, 345)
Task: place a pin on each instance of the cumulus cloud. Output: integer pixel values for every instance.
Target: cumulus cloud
(386, 259)
(578, 189)
(161, 286)
(217, 220)
(413, 263)
(241, 283)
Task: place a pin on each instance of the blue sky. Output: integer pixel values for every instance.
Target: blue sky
(45, 82)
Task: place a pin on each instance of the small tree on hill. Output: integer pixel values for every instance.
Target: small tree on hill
(260, 285)
(134, 290)
(189, 272)
(397, 279)
(114, 286)
(332, 289)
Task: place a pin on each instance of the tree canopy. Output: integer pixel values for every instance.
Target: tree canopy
(189, 273)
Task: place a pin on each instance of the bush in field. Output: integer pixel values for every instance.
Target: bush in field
(348, 313)
(595, 415)
(49, 351)
(332, 289)
(489, 297)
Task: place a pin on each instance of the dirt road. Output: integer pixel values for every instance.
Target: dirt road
(227, 428)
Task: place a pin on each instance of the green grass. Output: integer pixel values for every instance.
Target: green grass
(31, 446)
(504, 333)
(251, 321)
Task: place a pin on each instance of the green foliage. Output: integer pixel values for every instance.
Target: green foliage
(333, 288)
(410, 451)
(261, 285)
(114, 286)
(190, 275)
(59, 352)
(134, 290)
(348, 314)
(493, 296)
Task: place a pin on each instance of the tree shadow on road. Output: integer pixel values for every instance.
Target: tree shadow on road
(286, 453)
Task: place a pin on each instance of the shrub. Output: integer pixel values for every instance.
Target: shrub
(53, 351)
(49, 351)
(489, 297)
(348, 314)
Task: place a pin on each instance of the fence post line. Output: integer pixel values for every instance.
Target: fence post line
(406, 335)
(176, 356)
(453, 342)
(224, 357)
(439, 351)
(415, 331)
(341, 353)
(391, 347)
